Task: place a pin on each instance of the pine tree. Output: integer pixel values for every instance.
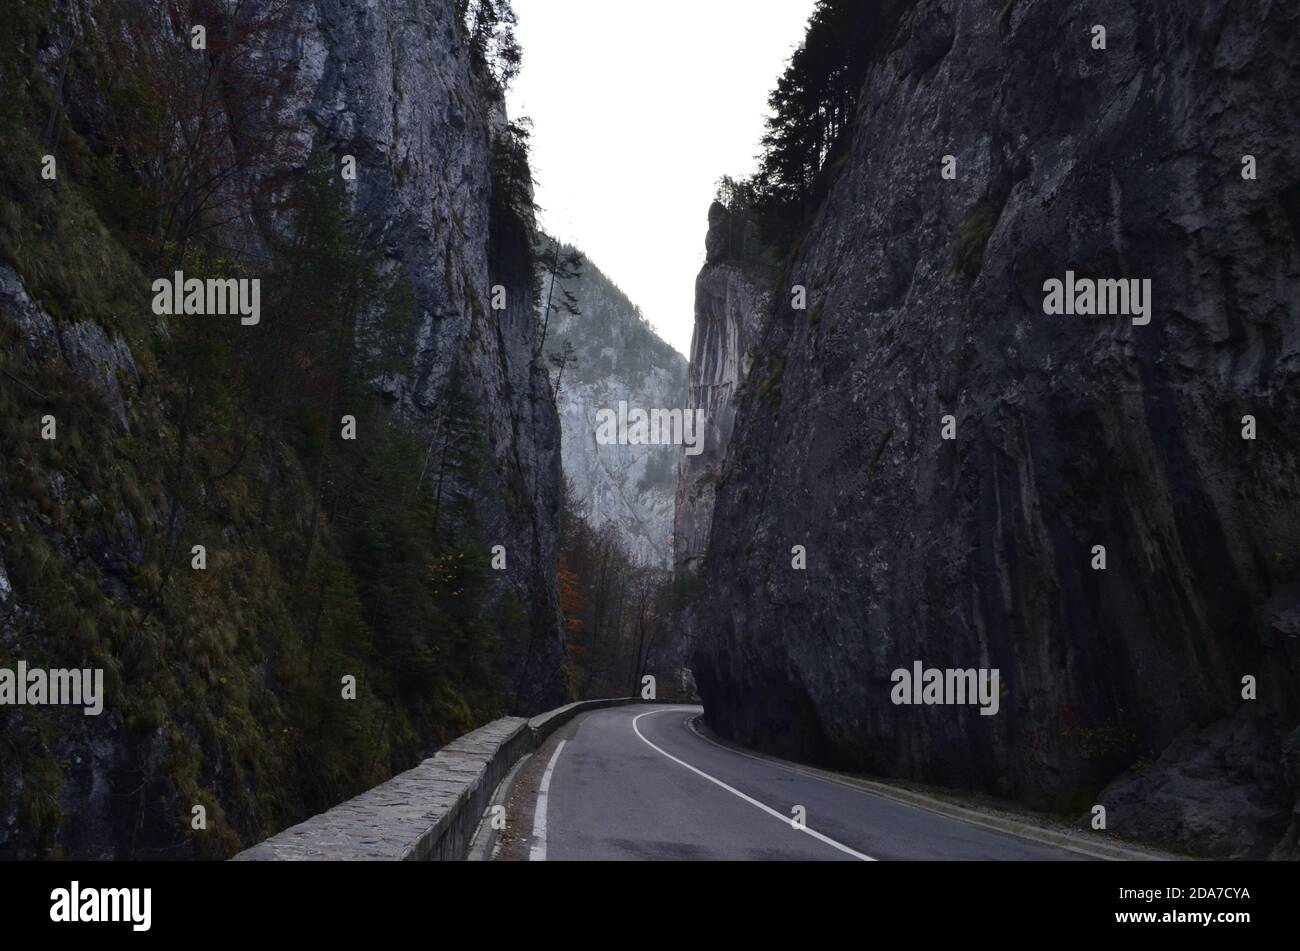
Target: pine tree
(813, 107)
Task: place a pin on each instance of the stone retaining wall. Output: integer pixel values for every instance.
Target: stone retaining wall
(425, 814)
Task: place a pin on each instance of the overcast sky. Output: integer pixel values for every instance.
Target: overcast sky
(638, 108)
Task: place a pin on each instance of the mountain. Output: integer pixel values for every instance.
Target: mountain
(616, 358)
(1076, 502)
(302, 551)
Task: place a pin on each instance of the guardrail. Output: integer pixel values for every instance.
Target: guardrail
(428, 813)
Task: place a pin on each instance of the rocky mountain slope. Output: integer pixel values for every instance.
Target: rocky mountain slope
(324, 562)
(616, 358)
(1121, 686)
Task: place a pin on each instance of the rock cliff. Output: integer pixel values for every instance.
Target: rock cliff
(223, 685)
(396, 89)
(926, 301)
(730, 299)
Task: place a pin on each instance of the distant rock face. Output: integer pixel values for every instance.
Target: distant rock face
(1071, 432)
(617, 358)
(728, 304)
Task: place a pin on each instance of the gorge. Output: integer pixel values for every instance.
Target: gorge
(896, 516)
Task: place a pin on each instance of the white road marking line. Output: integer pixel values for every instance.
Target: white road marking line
(1027, 836)
(538, 852)
(736, 792)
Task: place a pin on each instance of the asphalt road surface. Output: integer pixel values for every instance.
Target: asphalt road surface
(638, 783)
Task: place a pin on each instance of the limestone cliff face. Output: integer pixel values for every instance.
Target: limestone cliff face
(393, 86)
(616, 357)
(395, 89)
(729, 301)
(1071, 432)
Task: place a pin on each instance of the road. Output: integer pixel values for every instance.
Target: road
(638, 783)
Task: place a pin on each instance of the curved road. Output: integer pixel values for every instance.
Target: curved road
(638, 782)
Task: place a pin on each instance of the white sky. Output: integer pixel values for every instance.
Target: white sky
(638, 109)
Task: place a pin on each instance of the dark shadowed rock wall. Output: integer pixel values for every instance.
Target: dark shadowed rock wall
(926, 300)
